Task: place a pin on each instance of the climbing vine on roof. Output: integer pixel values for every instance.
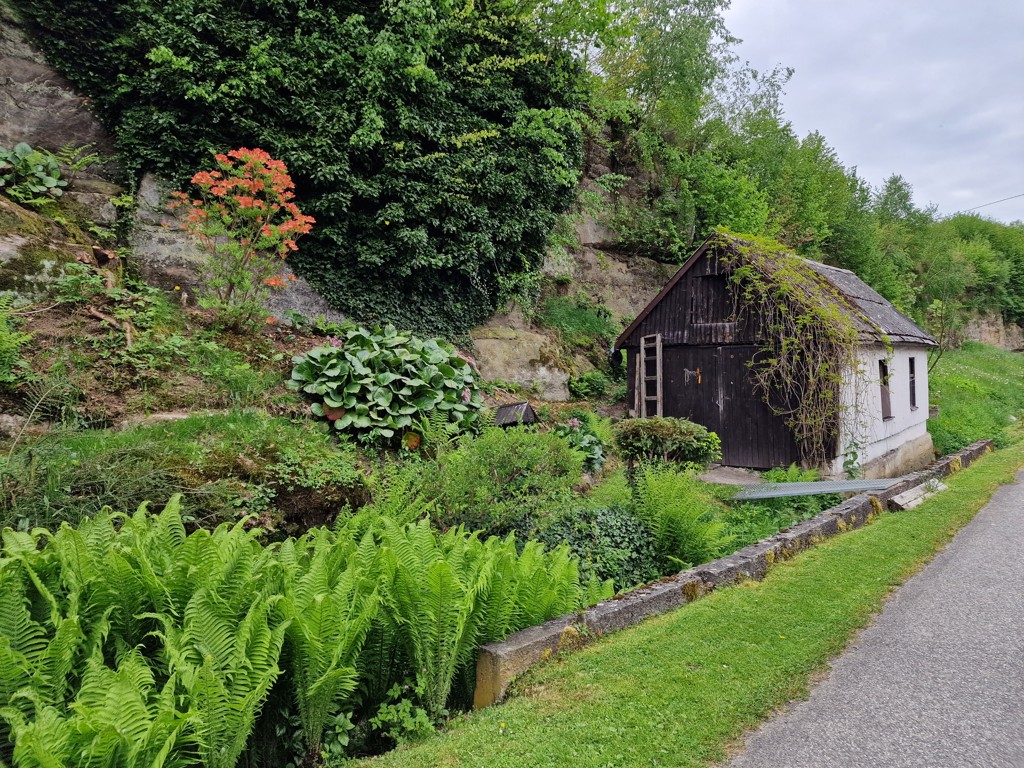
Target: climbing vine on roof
(810, 339)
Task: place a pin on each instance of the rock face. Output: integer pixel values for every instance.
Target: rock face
(508, 350)
(991, 329)
(33, 252)
(37, 105)
(623, 284)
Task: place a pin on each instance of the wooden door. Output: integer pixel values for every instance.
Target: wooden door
(690, 385)
(752, 435)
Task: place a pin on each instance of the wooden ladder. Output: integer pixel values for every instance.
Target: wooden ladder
(649, 377)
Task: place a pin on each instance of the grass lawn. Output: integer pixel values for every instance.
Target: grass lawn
(977, 388)
(678, 689)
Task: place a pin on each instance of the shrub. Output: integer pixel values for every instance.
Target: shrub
(247, 222)
(665, 439)
(592, 385)
(611, 543)
(682, 515)
(506, 480)
(30, 177)
(379, 381)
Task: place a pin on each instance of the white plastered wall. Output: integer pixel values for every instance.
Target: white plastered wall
(863, 428)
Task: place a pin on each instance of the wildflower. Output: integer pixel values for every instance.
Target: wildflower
(574, 423)
(466, 395)
(177, 287)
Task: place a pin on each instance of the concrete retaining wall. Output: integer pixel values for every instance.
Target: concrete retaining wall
(499, 663)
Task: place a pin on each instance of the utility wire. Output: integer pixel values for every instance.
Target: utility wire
(986, 205)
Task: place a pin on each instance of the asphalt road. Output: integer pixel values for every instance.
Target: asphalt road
(937, 681)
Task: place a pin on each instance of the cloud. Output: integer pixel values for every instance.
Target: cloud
(929, 89)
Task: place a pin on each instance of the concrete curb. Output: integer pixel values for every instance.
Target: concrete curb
(498, 663)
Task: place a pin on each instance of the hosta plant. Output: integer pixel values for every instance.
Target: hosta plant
(28, 176)
(379, 382)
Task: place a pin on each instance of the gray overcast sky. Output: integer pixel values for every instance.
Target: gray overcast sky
(930, 89)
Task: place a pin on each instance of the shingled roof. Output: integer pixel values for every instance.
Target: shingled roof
(876, 318)
(882, 317)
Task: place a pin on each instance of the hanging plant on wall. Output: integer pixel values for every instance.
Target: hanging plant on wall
(810, 339)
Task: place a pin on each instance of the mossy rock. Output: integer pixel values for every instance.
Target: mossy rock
(15, 220)
(30, 266)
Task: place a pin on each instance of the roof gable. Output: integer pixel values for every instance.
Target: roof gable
(877, 320)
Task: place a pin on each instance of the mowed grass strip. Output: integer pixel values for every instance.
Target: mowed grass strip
(676, 690)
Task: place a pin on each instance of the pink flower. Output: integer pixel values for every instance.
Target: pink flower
(574, 423)
(466, 396)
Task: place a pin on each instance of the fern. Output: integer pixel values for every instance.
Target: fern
(129, 641)
(439, 435)
(683, 518)
(119, 719)
(226, 664)
(330, 604)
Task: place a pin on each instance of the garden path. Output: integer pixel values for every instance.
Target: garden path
(937, 681)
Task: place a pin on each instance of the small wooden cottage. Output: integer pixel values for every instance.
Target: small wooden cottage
(691, 350)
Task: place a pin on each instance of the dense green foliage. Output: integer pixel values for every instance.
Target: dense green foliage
(611, 542)
(505, 480)
(592, 385)
(434, 142)
(979, 391)
(129, 641)
(682, 688)
(378, 382)
(682, 515)
(666, 440)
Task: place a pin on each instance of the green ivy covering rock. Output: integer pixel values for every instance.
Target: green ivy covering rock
(434, 142)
